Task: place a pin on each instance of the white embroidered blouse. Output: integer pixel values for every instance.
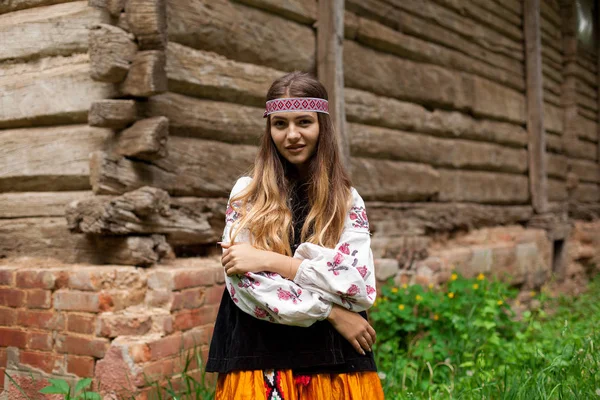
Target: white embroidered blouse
(343, 275)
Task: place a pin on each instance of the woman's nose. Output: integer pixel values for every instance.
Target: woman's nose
(293, 132)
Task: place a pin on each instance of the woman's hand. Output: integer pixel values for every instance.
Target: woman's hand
(353, 327)
(241, 258)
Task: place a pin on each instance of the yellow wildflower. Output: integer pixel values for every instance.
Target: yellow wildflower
(532, 293)
(454, 277)
(480, 277)
(395, 290)
(418, 297)
(430, 285)
(436, 317)
(475, 286)
(375, 303)
(385, 298)
(400, 307)
(451, 295)
(404, 286)
(500, 302)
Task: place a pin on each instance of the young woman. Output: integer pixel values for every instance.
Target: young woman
(298, 264)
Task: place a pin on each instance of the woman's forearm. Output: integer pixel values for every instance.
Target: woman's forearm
(282, 264)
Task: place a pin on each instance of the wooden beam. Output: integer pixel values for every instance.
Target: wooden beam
(147, 20)
(535, 107)
(115, 114)
(112, 51)
(330, 39)
(145, 140)
(147, 75)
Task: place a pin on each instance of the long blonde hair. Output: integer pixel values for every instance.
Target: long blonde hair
(263, 206)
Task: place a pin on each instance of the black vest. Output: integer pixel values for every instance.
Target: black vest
(242, 342)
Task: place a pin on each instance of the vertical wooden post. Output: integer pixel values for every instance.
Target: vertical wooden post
(538, 181)
(598, 75)
(330, 40)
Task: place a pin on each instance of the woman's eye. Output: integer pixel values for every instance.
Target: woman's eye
(278, 124)
(305, 122)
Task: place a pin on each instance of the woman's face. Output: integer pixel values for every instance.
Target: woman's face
(295, 135)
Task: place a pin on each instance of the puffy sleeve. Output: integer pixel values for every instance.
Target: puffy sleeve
(344, 275)
(267, 295)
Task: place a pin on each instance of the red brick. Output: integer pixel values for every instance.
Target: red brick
(187, 319)
(197, 336)
(214, 294)
(12, 297)
(195, 277)
(7, 278)
(47, 362)
(39, 341)
(92, 278)
(188, 298)
(2, 372)
(105, 302)
(8, 316)
(140, 352)
(81, 323)
(165, 347)
(3, 359)
(12, 337)
(81, 345)
(155, 371)
(73, 300)
(113, 325)
(158, 298)
(35, 279)
(83, 367)
(29, 383)
(164, 323)
(41, 319)
(38, 298)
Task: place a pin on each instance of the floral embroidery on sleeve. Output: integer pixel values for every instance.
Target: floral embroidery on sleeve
(335, 265)
(358, 215)
(348, 297)
(231, 215)
(247, 281)
(232, 293)
(291, 294)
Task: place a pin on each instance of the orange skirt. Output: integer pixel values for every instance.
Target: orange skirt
(283, 385)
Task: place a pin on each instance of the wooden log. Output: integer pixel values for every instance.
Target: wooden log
(432, 85)
(381, 37)
(536, 147)
(586, 171)
(395, 219)
(213, 208)
(330, 69)
(207, 119)
(218, 78)
(143, 211)
(416, 26)
(15, 5)
(495, 101)
(111, 52)
(587, 193)
(557, 190)
(147, 75)
(304, 12)
(145, 140)
(367, 108)
(60, 29)
(482, 34)
(587, 114)
(114, 7)
(573, 69)
(368, 141)
(586, 90)
(183, 173)
(25, 90)
(350, 25)
(385, 180)
(37, 204)
(242, 33)
(115, 114)
(577, 148)
(147, 20)
(514, 6)
(554, 142)
(42, 159)
(483, 187)
(499, 11)
(587, 129)
(553, 118)
(557, 165)
(550, 14)
(584, 211)
(50, 239)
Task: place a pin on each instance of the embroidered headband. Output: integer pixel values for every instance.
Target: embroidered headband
(296, 104)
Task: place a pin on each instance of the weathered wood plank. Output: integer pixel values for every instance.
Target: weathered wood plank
(38, 204)
(587, 129)
(147, 20)
(383, 38)
(588, 114)
(367, 108)
(382, 143)
(115, 114)
(242, 33)
(143, 211)
(396, 219)
(205, 74)
(147, 75)
(193, 168)
(25, 90)
(500, 11)
(421, 28)
(587, 193)
(551, 14)
(302, 11)
(330, 68)
(492, 100)
(207, 119)
(586, 90)
(42, 159)
(553, 118)
(577, 148)
(49, 238)
(114, 7)
(536, 147)
(483, 187)
(144, 140)
(60, 29)
(557, 165)
(15, 5)
(586, 171)
(386, 180)
(554, 142)
(557, 190)
(112, 51)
